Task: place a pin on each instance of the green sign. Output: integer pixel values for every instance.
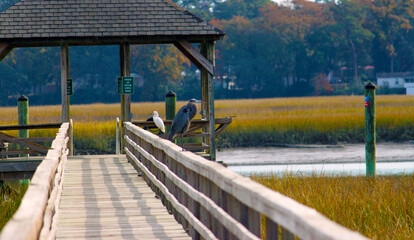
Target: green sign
(69, 87)
(127, 86)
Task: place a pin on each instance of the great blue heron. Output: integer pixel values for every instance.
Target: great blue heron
(182, 120)
(158, 121)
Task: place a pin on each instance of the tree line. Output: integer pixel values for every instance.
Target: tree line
(270, 49)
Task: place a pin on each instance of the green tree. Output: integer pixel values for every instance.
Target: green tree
(351, 31)
(201, 8)
(4, 4)
(38, 65)
(160, 66)
(292, 25)
(246, 8)
(392, 21)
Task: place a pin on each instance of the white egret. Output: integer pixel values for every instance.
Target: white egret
(158, 121)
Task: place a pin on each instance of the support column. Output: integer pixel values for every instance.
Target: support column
(64, 60)
(207, 95)
(125, 58)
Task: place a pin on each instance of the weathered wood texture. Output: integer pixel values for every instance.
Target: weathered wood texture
(25, 143)
(19, 165)
(195, 130)
(19, 168)
(34, 211)
(30, 126)
(229, 205)
(64, 73)
(194, 55)
(207, 95)
(125, 67)
(103, 197)
(5, 49)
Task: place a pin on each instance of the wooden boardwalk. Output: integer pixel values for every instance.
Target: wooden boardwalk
(104, 198)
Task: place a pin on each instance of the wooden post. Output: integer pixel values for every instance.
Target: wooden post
(125, 57)
(272, 228)
(117, 137)
(64, 59)
(170, 107)
(71, 149)
(23, 118)
(286, 235)
(207, 95)
(370, 140)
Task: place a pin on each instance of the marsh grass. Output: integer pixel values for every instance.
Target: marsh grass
(256, 122)
(11, 194)
(379, 208)
(313, 120)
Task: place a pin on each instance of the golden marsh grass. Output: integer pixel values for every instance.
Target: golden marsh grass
(325, 120)
(11, 194)
(379, 208)
(361, 204)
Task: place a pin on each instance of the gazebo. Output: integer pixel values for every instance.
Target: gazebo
(40, 23)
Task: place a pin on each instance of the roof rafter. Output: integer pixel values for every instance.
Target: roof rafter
(194, 55)
(5, 49)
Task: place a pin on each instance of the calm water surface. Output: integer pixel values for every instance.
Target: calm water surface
(346, 159)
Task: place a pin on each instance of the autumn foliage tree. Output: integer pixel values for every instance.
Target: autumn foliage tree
(269, 50)
(392, 21)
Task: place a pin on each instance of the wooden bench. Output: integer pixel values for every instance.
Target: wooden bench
(195, 131)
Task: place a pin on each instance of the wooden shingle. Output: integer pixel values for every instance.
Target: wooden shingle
(85, 22)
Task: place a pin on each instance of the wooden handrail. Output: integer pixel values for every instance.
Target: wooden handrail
(226, 120)
(228, 204)
(30, 126)
(30, 143)
(35, 218)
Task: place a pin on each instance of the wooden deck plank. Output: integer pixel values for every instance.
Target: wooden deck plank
(104, 197)
(108, 196)
(129, 214)
(138, 234)
(154, 212)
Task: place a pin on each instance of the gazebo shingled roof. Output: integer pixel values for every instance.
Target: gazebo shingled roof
(84, 22)
(64, 23)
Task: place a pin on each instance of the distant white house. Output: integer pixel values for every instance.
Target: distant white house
(409, 83)
(397, 80)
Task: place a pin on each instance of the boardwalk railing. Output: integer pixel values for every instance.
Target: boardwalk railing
(29, 143)
(212, 202)
(35, 217)
(195, 130)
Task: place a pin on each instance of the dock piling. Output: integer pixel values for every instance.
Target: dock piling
(370, 126)
(170, 107)
(23, 118)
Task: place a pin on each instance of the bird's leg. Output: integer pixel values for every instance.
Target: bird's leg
(182, 144)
